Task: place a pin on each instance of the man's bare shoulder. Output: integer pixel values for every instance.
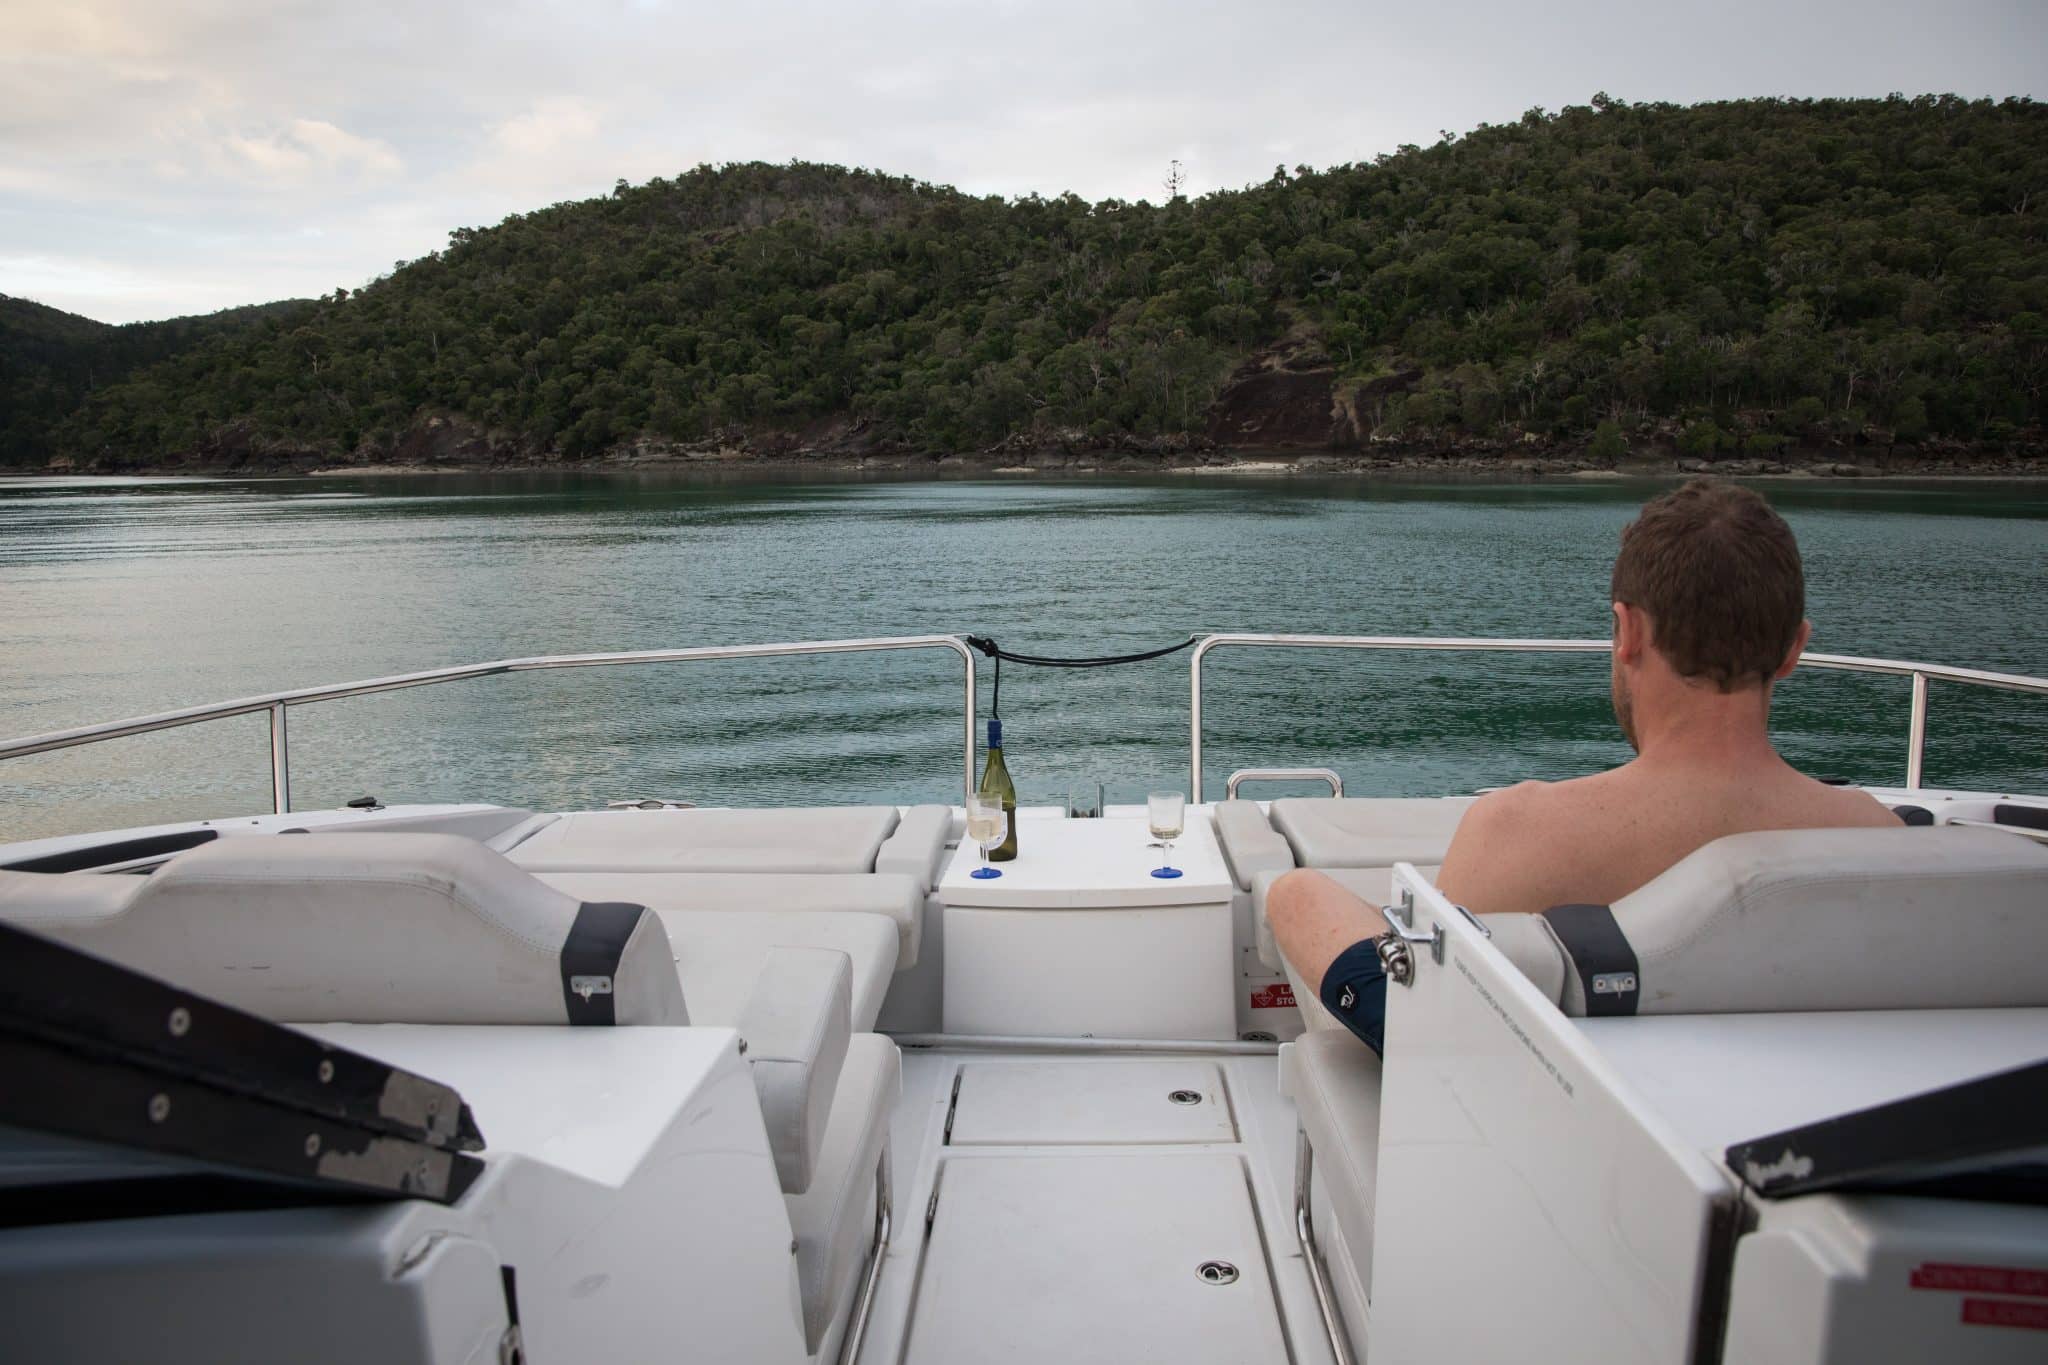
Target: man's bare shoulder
(1518, 806)
(1848, 808)
(1516, 847)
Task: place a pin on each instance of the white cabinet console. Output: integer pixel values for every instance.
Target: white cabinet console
(1077, 938)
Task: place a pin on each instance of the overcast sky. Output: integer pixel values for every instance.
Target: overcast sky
(160, 157)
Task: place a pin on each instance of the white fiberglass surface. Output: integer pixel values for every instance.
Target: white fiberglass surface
(1725, 1078)
(1151, 1100)
(1102, 1241)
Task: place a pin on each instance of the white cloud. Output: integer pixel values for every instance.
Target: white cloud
(308, 146)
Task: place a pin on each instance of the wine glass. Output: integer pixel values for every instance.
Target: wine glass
(987, 825)
(1167, 813)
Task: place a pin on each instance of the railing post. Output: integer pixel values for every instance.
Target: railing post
(1916, 731)
(280, 761)
(967, 657)
(1195, 723)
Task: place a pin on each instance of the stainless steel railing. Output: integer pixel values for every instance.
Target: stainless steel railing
(1920, 673)
(279, 703)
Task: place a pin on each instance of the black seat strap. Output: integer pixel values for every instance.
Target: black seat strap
(1601, 954)
(590, 959)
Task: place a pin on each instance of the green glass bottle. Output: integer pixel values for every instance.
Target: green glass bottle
(996, 778)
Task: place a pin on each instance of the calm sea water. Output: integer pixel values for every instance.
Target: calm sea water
(120, 597)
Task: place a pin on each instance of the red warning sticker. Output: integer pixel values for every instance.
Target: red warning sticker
(1982, 1279)
(1279, 995)
(2005, 1313)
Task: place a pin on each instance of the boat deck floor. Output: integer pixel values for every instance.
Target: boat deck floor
(1093, 1207)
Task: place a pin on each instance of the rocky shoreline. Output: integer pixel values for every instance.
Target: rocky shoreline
(839, 449)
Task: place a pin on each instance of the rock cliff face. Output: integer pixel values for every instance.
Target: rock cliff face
(1282, 398)
(1286, 397)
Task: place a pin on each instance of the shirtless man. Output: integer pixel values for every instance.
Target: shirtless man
(1709, 611)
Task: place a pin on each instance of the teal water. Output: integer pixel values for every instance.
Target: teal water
(125, 597)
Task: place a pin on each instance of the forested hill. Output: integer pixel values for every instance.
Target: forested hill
(50, 361)
(1729, 275)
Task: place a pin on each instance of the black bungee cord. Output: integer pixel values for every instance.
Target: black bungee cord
(998, 653)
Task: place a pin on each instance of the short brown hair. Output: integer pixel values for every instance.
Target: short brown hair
(1719, 574)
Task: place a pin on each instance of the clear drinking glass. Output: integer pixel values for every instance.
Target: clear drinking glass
(1167, 813)
(987, 825)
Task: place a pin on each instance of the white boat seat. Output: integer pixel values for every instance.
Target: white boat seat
(833, 1221)
(795, 1027)
(1250, 844)
(1351, 831)
(720, 954)
(1334, 1081)
(365, 928)
(1820, 919)
(917, 849)
(815, 839)
(895, 898)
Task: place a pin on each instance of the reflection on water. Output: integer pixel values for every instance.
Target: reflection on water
(121, 597)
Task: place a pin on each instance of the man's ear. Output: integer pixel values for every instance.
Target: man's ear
(1631, 632)
(1798, 648)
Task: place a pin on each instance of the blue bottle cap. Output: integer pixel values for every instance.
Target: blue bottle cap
(995, 733)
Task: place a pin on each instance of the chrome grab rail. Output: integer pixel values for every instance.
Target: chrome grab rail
(277, 703)
(1920, 673)
(1243, 775)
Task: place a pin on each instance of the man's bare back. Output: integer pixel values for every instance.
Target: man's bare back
(1595, 839)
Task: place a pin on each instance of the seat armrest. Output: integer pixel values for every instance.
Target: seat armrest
(918, 845)
(1250, 843)
(796, 1025)
(1526, 941)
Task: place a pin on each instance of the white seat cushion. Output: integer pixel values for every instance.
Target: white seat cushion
(1839, 919)
(896, 898)
(795, 1027)
(719, 953)
(1334, 1081)
(918, 847)
(834, 1221)
(364, 928)
(1349, 831)
(1249, 842)
(796, 839)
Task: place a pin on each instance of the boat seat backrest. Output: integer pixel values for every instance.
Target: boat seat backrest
(370, 928)
(1349, 831)
(1822, 919)
(794, 839)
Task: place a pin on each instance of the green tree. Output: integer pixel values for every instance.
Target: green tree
(1608, 444)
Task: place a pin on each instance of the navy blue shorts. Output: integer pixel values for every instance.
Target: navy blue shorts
(1355, 990)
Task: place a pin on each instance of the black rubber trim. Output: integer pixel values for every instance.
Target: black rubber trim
(1600, 953)
(596, 942)
(2026, 817)
(1976, 1137)
(122, 851)
(1913, 815)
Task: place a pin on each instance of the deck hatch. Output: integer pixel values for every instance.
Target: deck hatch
(1148, 1257)
(1075, 1102)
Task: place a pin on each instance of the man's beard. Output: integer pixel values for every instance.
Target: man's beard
(1624, 709)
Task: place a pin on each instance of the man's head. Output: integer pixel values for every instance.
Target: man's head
(1708, 586)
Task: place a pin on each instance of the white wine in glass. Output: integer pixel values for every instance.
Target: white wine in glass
(987, 825)
(1167, 814)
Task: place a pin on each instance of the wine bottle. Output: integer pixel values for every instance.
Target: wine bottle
(995, 777)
